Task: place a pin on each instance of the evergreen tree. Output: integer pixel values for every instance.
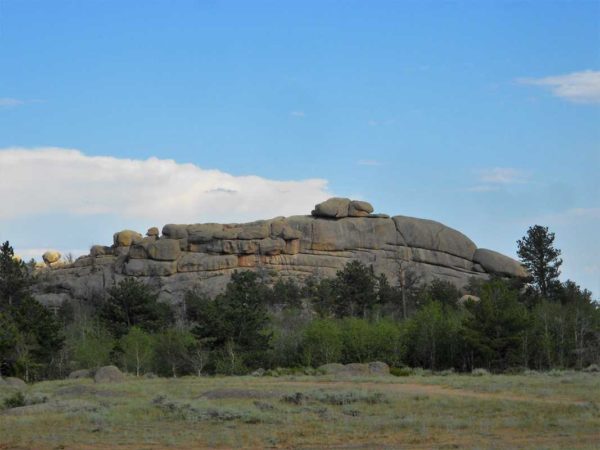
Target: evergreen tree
(236, 321)
(286, 293)
(32, 337)
(132, 303)
(538, 254)
(355, 287)
(495, 330)
(14, 277)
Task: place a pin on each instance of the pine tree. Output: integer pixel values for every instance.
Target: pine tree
(14, 278)
(538, 254)
(132, 303)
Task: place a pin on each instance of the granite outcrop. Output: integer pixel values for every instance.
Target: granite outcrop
(204, 255)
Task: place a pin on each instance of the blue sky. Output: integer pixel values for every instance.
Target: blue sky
(482, 115)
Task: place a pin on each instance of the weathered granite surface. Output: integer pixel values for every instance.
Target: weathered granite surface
(203, 256)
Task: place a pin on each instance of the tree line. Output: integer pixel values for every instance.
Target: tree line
(357, 316)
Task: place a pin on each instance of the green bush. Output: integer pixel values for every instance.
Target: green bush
(401, 371)
(322, 342)
(15, 400)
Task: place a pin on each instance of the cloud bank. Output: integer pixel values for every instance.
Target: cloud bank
(578, 87)
(44, 181)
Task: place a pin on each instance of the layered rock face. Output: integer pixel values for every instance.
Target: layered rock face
(203, 256)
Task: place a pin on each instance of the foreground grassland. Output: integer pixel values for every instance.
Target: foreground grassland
(456, 411)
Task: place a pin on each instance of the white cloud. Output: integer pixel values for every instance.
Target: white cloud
(297, 114)
(502, 175)
(368, 162)
(578, 87)
(10, 102)
(497, 178)
(57, 181)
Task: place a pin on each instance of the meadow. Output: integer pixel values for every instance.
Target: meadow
(534, 410)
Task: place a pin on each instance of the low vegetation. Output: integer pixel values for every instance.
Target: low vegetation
(529, 410)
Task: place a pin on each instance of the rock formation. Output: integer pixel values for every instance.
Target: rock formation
(203, 256)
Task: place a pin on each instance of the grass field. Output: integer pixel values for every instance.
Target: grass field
(560, 410)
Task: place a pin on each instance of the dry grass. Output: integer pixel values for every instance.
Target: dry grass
(455, 411)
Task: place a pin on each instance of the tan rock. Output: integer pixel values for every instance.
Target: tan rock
(270, 246)
(334, 208)
(164, 249)
(359, 208)
(51, 256)
(175, 231)
(153, 231)
(109, 374)
(497, 263)
(203, 232)
(255, 231)
(292, 247)
(431, 235)
(197, 262)
(126, 238)
(149, 268)
(100, 250)
(247, 247)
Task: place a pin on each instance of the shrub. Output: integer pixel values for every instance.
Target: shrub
(347, 397)
(15, 400)
(480, 372)
(401, 371)
(188, 412)
(592, 368)
(322, 342)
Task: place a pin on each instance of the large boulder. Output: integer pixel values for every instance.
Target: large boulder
(149, 268)
(497, 263)
(271, 246)
(432, 235)
(379, 368)
(100, 250)
(164, 250)
(126, 238)
(175, 231)
(108, 374)
(359, 209)
(51, 256)
(257, 230)
(335, 208)
(152, 232)
(203, 232)
(15, 382)
(196, 262)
